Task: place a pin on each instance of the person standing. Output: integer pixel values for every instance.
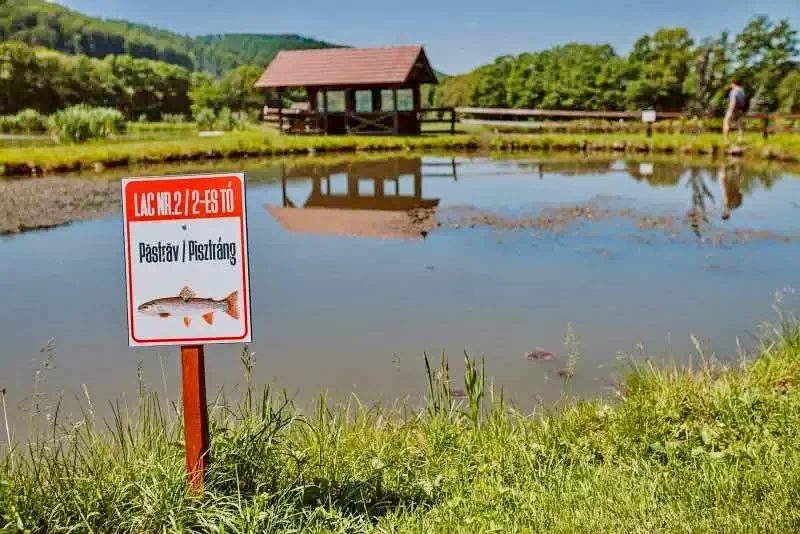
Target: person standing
(735, 111)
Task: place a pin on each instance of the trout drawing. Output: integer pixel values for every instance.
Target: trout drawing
(188, 305)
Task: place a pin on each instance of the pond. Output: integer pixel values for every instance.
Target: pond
(359, 267)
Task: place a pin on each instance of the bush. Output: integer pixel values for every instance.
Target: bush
(225, 120)
(79, 124)
(205, 118)
(26, 121)
(173, 118)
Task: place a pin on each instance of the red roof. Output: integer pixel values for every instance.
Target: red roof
(347, 67)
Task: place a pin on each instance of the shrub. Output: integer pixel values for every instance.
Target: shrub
(225, 120)
(26, 121)
(173, 118)
(205, 118)
(82, 123)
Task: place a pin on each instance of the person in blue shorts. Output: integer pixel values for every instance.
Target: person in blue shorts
(735, 112)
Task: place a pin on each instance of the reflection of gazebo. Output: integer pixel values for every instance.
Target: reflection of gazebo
(384, 212)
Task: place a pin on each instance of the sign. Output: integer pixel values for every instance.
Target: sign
(186, 260)
(649, 116)
(646, 169)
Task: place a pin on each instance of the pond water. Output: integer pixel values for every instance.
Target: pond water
(500, 258)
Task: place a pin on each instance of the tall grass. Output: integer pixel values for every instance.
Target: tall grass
(710, 447)
(79, 124)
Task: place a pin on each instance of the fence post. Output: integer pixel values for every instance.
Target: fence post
(280, 120)
(766, 126)
(452, 121)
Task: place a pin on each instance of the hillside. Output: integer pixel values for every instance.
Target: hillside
(41, 23)
(220, 53)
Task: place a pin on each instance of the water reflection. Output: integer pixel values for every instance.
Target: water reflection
(371, 205)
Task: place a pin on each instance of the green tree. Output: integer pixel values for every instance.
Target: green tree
(764, 56)
(660, 64)
(238, 89)
(789, 93)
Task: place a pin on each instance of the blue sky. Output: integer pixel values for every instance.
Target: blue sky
(458, 35)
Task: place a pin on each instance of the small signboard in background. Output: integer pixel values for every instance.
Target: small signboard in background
(186, 260)
(648, 116)
(646, 169)
(187, 281)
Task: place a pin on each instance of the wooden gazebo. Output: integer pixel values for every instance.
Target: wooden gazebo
(350, 90)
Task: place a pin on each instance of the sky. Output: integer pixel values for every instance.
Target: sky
(458, 35)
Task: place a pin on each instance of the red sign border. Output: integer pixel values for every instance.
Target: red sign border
(241, 179)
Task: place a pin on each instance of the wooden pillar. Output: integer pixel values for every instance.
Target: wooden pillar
(417, 106)
(379, 185)
(312, 98)
(396, 113)
(418, 184)
(349, 106)
(283, 186)
(325, 111)
(376, 100)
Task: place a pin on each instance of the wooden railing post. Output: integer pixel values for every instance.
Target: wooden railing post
(280, 120)
(452, 121)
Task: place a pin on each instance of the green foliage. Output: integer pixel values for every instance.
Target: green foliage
(25, 122)
(205, 118)
(789, 93)
(81, 123)
(664, 71)
(221, 53)
(47, 24)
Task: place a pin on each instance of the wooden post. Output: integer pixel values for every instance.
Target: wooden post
(280, 120)
(325, 111)
(195, 414)
(396, 112)
(452, 121)
(766, 126)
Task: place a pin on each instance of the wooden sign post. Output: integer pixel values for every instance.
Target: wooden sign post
(187, 280)
(195, 414)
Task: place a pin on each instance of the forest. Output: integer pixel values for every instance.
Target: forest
(666, 71)
(41, 23)
(52, 58)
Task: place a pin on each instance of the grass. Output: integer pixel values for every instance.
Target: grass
(704, 448)
(263, 142)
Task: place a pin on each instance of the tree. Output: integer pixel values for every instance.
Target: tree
(764, 56)
(238, 89)
(789, 93)
(660, 64)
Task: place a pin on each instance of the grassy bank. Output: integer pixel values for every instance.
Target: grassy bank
(259, 142)
(708, 449)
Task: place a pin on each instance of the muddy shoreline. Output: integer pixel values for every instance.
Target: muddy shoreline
(39, 203)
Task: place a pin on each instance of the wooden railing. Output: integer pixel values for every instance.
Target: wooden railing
(518, 119)
(356, 122)
(438, 116)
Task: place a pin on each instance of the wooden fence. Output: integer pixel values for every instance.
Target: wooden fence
(519, 119)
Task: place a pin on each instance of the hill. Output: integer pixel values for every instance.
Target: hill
(41, 23)
(220, 53)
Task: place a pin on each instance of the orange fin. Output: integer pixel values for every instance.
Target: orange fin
(232, 301)
(186, 293)
(164, 315)
(187, 321)
(209, 318)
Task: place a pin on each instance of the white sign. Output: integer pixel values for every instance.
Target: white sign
(646, 169)
(186, 260)
(648, 116)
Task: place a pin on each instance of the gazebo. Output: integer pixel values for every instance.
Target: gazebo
(351, 90)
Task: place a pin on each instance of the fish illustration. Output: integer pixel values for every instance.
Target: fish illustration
(187, 305)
